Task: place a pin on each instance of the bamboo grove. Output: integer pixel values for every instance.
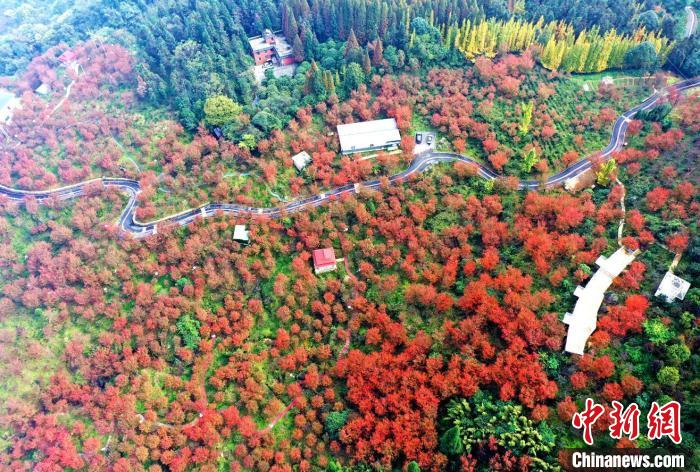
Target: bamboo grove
(561, 48)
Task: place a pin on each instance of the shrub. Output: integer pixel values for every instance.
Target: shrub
(335, 422)
(188, 328)
(668, 376)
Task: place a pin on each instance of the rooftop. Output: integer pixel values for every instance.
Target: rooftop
(368, 135)
(672, 287)
(43, 89)
(582, 322)
(8, 104)
(259, 43)
(5, 97)
(282, 46)
(240, 233)
(324, 257)
(301, 160)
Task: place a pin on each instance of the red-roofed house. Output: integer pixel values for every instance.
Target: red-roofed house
(324, 260)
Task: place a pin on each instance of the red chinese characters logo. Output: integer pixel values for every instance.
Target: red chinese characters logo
(665, 421)
(624, 421)
(662, 421)
(587, 418)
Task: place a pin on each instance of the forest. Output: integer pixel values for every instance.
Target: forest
(437, 343)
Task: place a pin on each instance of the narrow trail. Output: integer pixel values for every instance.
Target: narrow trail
(353, 277)
(676, 260)
(691, 22)
(621, 227)
(63, 99)
(168, 425)
(129, 223)
(279, 416)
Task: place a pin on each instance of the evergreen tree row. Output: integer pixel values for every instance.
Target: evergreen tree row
(371, 19)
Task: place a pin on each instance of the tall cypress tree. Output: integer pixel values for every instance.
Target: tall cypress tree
(366, 63)
(351, 46)
(378, 53)
(297, 48)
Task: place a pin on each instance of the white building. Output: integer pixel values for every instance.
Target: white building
(8, 104)
(582, 322)
(672, 287)
(301, 160)
(240, 233)
(368, 136)
(43, 89)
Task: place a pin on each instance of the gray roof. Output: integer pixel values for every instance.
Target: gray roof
(301, 160)
(258, 44)
(283, 48)
(368, 135)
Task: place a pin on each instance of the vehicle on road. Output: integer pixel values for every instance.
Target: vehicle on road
(129, 223)
(419, 138)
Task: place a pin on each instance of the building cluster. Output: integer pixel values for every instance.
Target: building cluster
(271, 48)
(360, 137)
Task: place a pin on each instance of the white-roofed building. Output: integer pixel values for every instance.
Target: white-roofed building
(43, 89)
(582, 322)
(240, 233)
(301, 160)
(368, 136)
(672, 287)
(8, 104)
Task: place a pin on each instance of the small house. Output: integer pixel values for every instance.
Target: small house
(672, 287)
(324, 260)
(301, 160)
(240, 234)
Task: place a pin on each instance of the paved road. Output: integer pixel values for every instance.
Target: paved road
(128, 222)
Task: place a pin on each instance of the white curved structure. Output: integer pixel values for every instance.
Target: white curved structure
(582, 322)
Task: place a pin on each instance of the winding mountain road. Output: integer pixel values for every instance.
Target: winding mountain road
(128, 222)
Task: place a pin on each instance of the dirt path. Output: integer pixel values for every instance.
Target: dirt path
(353, 277)
(67, 94)
(621, 227)
(279, 416)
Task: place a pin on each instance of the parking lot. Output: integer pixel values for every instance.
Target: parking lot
(425, 141)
